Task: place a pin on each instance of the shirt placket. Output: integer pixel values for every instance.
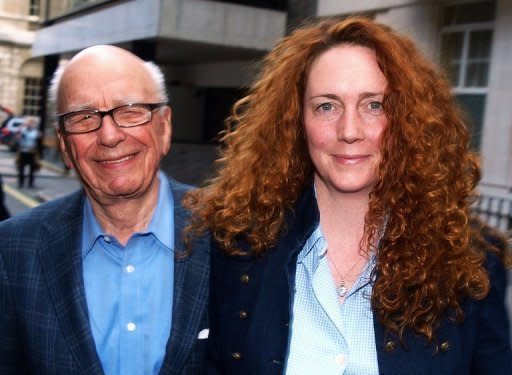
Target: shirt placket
(131, 333)
(324, 290)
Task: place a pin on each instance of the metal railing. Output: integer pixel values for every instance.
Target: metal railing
(496, 211)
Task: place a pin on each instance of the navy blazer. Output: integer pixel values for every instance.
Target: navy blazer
(251, 302)
(44, 323)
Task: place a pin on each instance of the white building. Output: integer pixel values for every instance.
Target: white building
(20, 73)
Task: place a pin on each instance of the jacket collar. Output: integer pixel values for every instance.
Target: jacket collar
(61, 265)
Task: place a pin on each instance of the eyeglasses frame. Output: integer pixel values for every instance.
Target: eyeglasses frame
(110, 112)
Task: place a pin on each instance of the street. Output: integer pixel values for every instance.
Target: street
(50, 183)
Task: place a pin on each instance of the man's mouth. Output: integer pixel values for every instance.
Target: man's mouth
(117, 161)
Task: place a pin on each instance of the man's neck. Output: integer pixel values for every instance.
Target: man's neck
(122, 217)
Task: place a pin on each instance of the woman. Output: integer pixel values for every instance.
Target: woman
(341, 213)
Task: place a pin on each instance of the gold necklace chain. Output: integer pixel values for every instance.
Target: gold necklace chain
(341, 287)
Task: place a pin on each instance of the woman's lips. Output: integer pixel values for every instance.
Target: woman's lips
(350, 159)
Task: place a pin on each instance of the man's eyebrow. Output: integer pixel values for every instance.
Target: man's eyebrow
(78, 107)
(89, 107)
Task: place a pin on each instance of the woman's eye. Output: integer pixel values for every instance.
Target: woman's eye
(375, 106)
(325, 107)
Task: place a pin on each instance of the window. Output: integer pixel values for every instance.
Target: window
(34, 8)
(466, 40)
(32, 97)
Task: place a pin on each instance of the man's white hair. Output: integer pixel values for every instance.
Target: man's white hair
(154, 71)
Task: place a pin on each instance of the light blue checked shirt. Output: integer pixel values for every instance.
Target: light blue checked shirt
(327, 337)
(129, 290)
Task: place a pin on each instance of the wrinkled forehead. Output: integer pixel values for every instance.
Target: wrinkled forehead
(104, 82)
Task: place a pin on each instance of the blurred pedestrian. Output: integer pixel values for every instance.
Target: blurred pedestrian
(98, 282)
(4, 212)
(28, 138)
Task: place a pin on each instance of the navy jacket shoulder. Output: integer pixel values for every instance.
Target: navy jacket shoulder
(251, 302)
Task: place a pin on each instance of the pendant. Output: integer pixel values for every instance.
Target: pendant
(342, 289)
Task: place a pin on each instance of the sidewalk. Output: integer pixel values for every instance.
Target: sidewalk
(50, 181)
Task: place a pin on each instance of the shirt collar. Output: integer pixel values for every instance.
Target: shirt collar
(315, 242)
(161, 225)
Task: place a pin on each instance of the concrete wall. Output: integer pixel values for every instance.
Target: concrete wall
(16, 37)
(418, 21)
(221, 23)
(191, 20)
(497, 131)
(329, 7)
(124, 21)
(11, 61)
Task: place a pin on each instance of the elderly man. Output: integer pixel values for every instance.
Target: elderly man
(100, 281)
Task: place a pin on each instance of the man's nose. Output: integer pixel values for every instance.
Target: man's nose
(109, 134)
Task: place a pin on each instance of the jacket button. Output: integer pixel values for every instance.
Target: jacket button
(244, 278)
(236, 355)
(389, 346)
(243, 314)
(445, 346)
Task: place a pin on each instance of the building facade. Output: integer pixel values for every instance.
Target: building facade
(20, 72)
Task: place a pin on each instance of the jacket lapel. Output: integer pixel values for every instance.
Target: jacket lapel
(191, 274)
(61, 264)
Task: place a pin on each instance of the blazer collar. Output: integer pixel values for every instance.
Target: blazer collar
(191, 276)
(61, 264)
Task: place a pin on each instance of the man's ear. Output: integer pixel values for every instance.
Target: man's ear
(64, 149)
(167, 129)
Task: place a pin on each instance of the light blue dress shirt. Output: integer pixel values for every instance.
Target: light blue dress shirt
(129, 290)
(327, 337)
(28, 140)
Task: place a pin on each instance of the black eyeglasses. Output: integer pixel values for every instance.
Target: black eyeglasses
(125, 116)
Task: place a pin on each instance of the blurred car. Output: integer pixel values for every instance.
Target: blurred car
(9, 129)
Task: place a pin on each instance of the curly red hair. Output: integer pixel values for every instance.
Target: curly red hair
(426, 263)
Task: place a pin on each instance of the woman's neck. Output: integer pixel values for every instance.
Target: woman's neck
(342, 219)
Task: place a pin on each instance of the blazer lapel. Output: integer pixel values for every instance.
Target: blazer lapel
(61, 262)
(191, 274)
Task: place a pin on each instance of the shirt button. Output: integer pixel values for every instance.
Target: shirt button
(131, 327)
(107, 239)
(130, 268)
(340, 359)
(236, 355)
(244, 278)
(243, 314)
(389, 346)
(445, 346)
